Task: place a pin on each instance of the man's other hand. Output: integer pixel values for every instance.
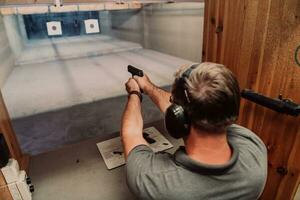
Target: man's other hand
(132, 85)
(144, 83)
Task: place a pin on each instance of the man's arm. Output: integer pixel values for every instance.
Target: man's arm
(159, 96)
(132, 121)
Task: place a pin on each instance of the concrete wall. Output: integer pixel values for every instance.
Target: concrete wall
(105, 22)
(6, 55)
(126, 25)
(175, 29)
(14, 33)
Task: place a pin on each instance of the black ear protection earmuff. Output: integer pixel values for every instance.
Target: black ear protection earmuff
(176, 120)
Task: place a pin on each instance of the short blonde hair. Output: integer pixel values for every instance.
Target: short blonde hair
(212, 96)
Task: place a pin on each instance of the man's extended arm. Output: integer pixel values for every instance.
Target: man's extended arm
(159, 96)
(132, 121)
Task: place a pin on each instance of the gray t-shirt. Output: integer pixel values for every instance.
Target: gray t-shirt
(165, 176)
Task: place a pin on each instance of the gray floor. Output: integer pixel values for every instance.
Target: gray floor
(65, 92)
(77, 172)
(64, 48)
(71, 89)
(48, 131)
(42, 87)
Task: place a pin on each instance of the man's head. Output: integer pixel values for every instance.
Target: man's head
(212, 96)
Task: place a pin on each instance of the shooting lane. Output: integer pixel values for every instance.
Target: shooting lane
(258, 40)
(49, 85)
(59, 73)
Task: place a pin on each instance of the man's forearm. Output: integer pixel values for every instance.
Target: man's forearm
(160, 97)
(132, 125)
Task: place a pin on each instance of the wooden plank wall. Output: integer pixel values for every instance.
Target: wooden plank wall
(13, 145)
(7, 130)
(257, 40)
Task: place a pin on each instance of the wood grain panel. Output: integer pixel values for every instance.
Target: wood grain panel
(258, 43)
(7, 130)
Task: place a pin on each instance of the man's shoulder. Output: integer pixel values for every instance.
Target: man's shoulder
(238, 129)
(242, 136)
(148, 171)
(143, 156)
(252, 150)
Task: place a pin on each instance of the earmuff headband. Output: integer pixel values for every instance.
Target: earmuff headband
(176, 121)
(185, 75)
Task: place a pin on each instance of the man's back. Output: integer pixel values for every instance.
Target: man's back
(166, 176)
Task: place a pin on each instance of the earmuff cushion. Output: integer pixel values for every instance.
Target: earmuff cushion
(176, 121)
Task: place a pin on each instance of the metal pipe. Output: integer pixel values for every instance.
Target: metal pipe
(279, 105)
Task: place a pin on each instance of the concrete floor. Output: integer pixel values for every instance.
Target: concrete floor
(70, 100)
(77, 172)
(51, 130)
(42, 87)
(68, 90)
(45, 50)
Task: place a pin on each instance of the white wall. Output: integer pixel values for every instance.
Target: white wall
(175, 29)
(124, 24)
(6, 55)
(14, 34)
(105, 22)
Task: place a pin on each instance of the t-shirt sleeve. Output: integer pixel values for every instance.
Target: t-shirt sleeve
(138, 162)
(146, 170)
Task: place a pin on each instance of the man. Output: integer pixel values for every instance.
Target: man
(220, 160)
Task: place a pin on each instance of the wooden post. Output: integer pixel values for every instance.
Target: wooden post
(7, 130)
(15, 152)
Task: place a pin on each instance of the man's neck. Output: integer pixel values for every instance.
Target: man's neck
(208, 148)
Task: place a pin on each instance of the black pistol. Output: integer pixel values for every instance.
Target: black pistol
(135, 71)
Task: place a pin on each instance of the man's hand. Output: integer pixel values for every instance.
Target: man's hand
(159, 97)
(144, 83)
(132, 85)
